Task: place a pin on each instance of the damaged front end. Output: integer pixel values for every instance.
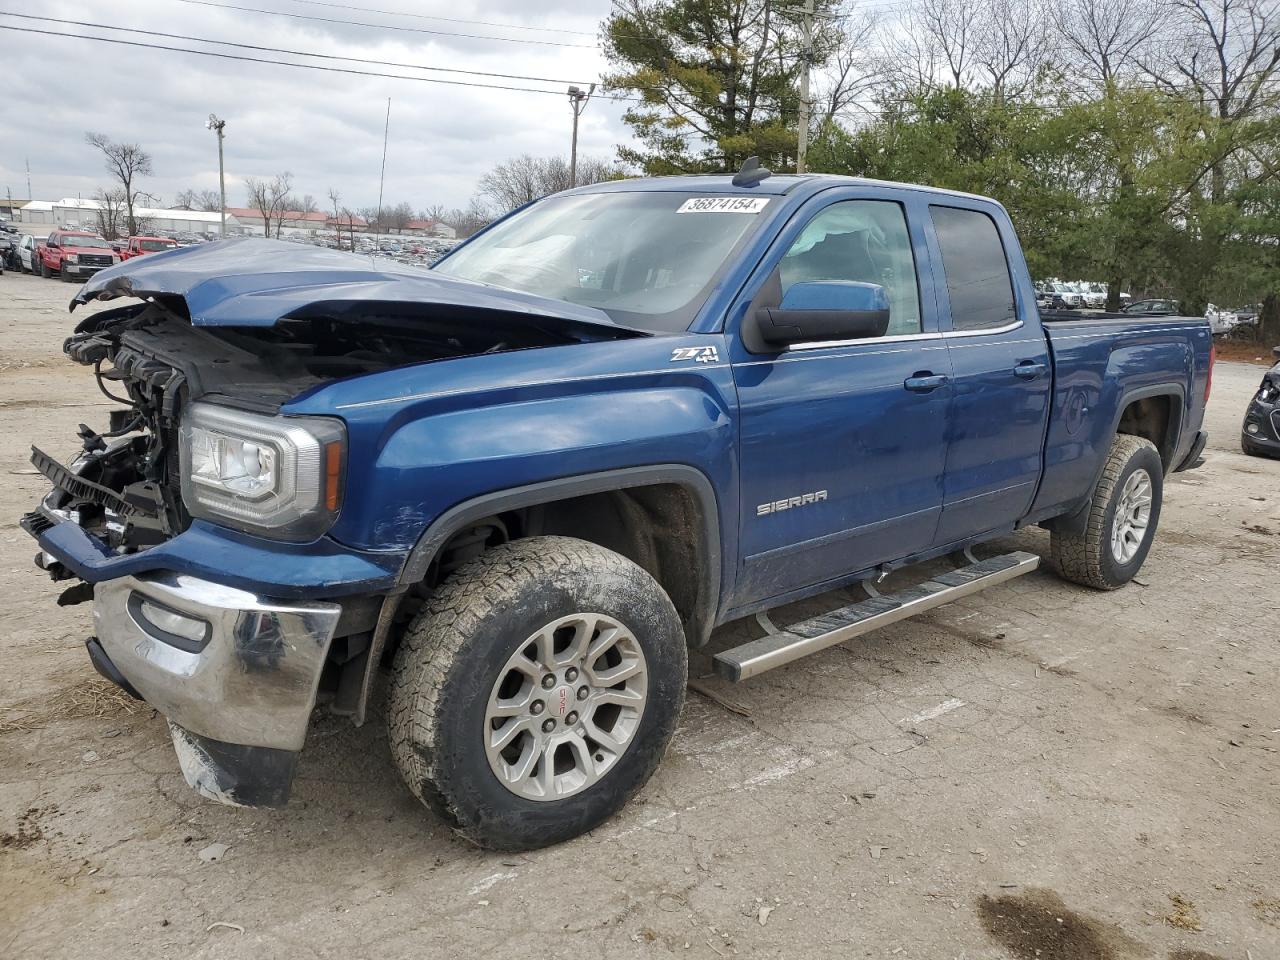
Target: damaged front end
(196, 517)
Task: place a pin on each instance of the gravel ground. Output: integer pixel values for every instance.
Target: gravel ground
(1038, 771)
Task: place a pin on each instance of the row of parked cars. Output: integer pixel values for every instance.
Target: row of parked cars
(1081, 295)
(73, 255)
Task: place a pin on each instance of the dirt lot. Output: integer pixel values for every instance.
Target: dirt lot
(1040, 771)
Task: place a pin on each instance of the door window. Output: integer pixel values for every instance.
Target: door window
(976, 269)
(862, 240)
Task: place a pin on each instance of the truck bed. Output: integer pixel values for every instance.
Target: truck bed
(1104, 362)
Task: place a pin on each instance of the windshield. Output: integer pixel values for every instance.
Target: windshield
(157, 244)
(77, 241)
(647, 259)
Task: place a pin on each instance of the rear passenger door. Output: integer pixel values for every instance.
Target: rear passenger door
(1001, 370)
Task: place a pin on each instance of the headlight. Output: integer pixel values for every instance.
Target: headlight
(1268, 391)
(276, 475)
(72, 258)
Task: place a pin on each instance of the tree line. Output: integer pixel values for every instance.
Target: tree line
(1135, 142)
(507, 185)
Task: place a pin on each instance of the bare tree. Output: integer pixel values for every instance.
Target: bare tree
(997, 45)
(209, 201)
(953, 26)
(852, 71)
(1012, 46)
(110, 215)
(524, 178)
(127, 162)
(1228, 51)
(1104, 40)
(397, 217)
(206, 201)
(466, 222)
(271, 199)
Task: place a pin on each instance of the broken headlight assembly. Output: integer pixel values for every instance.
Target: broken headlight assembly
(276, 476)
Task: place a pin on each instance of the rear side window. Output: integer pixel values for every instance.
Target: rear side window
(977, 273)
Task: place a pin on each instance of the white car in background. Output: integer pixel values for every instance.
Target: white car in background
(26, 253)
(1220, 321)
(1067, 291)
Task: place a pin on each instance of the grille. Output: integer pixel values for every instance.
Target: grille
(95, 259)
(1275, 423)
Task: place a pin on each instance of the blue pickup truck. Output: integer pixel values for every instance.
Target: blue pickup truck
(529, 481)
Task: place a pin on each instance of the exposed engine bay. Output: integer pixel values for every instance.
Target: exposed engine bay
(126, 485)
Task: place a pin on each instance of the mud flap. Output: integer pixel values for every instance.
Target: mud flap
(232, 773)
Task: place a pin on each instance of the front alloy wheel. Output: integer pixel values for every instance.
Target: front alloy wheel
(537, 691)
(565, 707)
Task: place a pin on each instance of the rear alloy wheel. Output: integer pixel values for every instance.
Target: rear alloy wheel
(537, 691)
(1132, 516)
(1121, 521)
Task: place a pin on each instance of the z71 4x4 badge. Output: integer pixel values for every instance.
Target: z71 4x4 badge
(698, 354)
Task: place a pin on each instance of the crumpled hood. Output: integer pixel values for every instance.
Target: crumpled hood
(254, 282)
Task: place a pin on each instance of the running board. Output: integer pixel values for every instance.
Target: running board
(818, 633)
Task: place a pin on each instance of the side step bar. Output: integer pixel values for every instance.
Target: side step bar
(810, 636)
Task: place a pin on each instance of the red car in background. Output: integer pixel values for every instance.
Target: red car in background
(73, 255)
(137, 246)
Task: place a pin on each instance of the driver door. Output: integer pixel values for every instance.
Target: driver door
(842, 444)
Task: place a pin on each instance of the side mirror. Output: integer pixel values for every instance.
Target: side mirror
(825, 310)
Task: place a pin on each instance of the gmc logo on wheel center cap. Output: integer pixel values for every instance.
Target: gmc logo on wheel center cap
(561, 705)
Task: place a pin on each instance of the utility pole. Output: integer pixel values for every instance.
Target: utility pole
(217, 126)
(578, 102)
(28, 179)
(806, 34)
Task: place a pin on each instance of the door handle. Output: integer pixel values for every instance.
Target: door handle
(1029, 369)
(924, 382)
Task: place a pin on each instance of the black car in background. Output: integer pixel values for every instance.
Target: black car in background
(1153, 308)
(1260, 433)
(9, 240)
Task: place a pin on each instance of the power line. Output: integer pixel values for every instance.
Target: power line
(296, 53)
(386, 26)
(284, 63)
(424, 16)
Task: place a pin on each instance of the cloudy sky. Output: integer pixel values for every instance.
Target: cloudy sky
(325, 128)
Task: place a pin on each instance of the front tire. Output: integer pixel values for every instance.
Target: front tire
(537, 692)
(1122, 520)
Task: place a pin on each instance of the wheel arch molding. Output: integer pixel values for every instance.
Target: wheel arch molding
(691, 576)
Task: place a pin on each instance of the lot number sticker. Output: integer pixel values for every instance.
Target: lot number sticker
(724, 205)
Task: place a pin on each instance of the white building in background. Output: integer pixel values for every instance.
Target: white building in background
(75, 213)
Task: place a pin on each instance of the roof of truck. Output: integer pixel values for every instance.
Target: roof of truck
(778, 184)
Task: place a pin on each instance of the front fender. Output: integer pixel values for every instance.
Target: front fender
(425, 439)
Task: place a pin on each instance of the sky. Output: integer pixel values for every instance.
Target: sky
(324, 128)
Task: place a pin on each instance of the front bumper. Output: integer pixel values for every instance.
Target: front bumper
(1260, 432)
(235, 674)
(81, 271)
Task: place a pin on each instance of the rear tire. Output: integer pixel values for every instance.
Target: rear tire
(1123, 514)
(571, 645)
